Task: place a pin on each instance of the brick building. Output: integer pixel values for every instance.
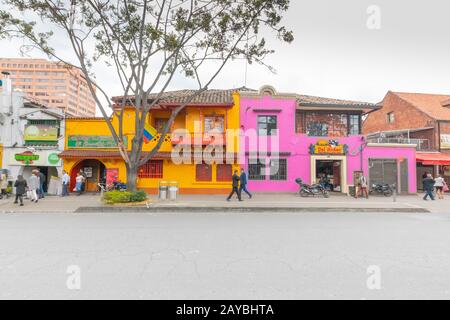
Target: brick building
(52, 84)
(422, 119)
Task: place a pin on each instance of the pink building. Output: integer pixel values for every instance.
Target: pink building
(290, 136)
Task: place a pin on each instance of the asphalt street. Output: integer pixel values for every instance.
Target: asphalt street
(225, 256)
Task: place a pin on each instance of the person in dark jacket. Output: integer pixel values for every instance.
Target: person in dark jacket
(243, 180)
(235, 186)
(21, 189)
(41, 184)
(428, 186)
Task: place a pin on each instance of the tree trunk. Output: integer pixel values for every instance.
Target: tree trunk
(132, 177)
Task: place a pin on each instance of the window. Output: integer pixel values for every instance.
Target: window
(390, 117)
(152, 169)
(160, 124)
(324, 124)
(354, 124)
(278, 169)
(203, 172)
(256, 170)
(224, 172)
(214, 123)
(267, 125)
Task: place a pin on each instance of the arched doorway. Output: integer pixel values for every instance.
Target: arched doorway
(95, 171)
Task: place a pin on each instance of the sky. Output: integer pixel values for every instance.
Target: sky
(347, 49)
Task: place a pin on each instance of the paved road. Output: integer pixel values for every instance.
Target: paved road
(218, 256)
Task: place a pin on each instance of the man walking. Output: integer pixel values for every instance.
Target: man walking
(65, 184)
(243, 187)
(235, 185)
(428, 185)
(41, 184)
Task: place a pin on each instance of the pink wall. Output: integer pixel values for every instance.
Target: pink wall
(399, 153)
(295, 147)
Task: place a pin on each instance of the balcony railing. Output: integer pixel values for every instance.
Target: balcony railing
(422, 144)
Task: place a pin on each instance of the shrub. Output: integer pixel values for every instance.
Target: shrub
(117, 196)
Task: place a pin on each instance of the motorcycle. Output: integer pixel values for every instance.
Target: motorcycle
(381, 188)
(307, 190)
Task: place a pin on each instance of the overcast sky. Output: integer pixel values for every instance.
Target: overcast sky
(335, 53)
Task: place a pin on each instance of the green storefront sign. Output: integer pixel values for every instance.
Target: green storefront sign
(92, 142)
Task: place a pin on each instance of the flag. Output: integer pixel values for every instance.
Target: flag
(149, 133)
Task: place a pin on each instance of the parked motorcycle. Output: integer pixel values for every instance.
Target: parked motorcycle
(381, 188)
(306, 190)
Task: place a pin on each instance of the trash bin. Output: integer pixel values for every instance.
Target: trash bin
(173, 190)
(352, 191)
(162, 192)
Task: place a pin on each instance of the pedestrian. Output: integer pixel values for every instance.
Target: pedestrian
(79, 183)
(362, 186)
(428, 186)
(235, 186)
(21, 188)
(33, 186)
(3, 184)
(243, 186)
(41, 183)
(439, 183)
(83, 182)
(65, 184)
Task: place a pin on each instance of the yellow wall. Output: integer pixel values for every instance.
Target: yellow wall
(183, 174)
(1, 155)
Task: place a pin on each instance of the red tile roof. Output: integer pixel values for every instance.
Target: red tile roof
(436, 106)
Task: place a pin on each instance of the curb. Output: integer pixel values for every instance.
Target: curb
(244, 209)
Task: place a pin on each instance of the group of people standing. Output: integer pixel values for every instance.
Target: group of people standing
(430, 184)
(239, 184)
(80, 183)
(34, 188)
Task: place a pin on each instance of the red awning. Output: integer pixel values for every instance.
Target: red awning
(433, 158)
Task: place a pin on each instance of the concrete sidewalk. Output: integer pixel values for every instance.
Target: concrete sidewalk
(210, 203)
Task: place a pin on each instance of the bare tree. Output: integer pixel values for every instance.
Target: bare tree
(146, 42)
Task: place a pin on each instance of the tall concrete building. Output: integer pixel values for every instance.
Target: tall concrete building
(52, 84)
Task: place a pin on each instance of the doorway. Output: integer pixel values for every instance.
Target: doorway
(329, 173)
(95, 173)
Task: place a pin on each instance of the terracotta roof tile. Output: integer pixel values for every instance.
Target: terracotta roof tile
(305, 100)
(435, 105)
(211, 96)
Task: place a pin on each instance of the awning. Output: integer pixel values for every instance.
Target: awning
(433, 158)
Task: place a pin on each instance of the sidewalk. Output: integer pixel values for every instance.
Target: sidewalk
(209, 203)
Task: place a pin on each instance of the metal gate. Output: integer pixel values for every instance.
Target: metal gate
(383, 171)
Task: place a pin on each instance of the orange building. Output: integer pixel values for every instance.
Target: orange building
(52, 84)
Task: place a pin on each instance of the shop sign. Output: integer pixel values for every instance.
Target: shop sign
(331, 147)
(40, 133)
(92, 142)
(88, 172)
(37, 158)
(445, 141)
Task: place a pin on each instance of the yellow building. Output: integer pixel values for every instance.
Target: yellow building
(90, 146)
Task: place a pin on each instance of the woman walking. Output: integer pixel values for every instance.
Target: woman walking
(79, 183)
(21, 188)
(34, 186)
(439, 183)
